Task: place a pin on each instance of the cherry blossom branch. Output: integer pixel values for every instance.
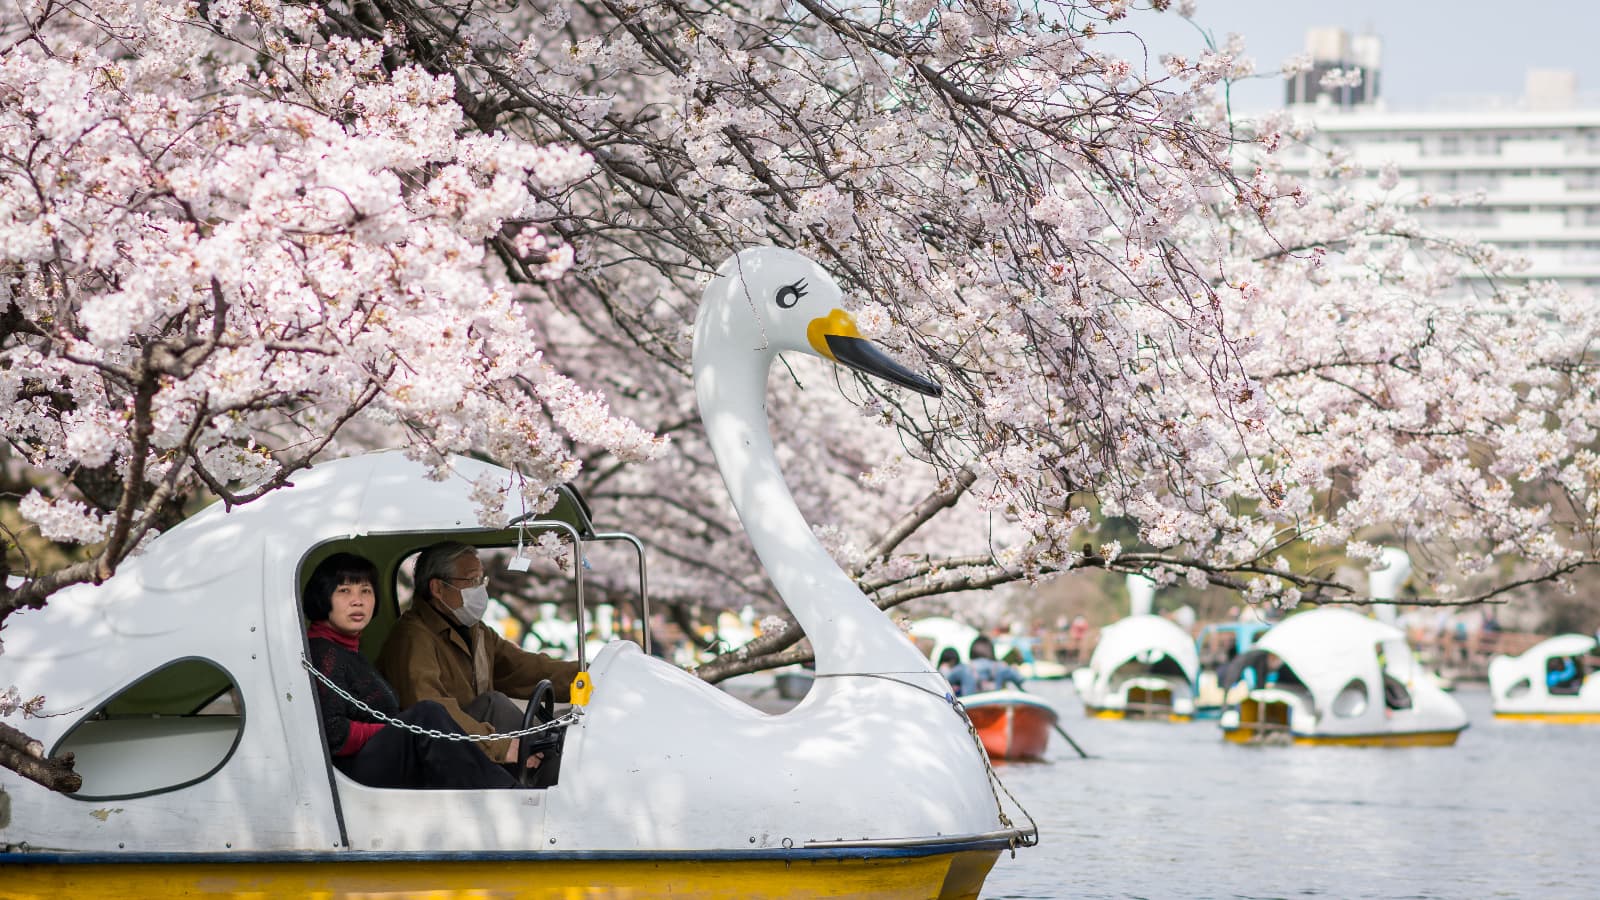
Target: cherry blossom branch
(25, 756)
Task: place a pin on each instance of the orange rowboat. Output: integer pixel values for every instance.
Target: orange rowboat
(1012, 724)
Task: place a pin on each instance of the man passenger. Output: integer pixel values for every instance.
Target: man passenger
(440, 650)
(984, 672)
(1562, 675)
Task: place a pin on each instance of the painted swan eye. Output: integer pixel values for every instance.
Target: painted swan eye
(790, 294)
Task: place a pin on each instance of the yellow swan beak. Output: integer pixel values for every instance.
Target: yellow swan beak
(834, 336)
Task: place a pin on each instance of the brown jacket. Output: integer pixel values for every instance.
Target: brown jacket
(426, 659)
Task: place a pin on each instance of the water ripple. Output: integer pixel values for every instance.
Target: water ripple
(1172, 811)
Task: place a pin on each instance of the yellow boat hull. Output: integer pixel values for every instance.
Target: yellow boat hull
(1572, 718)
(946, 876)
(1096, 713)
(1405, 739)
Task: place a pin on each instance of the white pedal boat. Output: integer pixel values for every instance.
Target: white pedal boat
(1343, 679)
(872, 785)
(1519, 686)
(1143, 668)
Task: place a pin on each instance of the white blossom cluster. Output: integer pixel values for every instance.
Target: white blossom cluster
(226, 235)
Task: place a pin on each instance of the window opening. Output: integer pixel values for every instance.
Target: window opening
(1564, 675)
(172, 728)
(1351, 700)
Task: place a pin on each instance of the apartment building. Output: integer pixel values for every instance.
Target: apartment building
(1531, 164)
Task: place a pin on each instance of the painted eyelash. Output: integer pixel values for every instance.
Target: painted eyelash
(793, 292)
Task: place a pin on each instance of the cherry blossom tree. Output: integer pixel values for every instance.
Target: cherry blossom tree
(214, 266)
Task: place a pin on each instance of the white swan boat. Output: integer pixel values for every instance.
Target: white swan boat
(936, 633)
(1144, 667)
(1520, 688)
(179, 685)
(1333, 676)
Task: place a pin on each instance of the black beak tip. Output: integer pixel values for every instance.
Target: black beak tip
(863, 356)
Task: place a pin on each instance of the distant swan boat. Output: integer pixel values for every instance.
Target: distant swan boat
(1553, 681)
(1333, 676)
(1143, 668)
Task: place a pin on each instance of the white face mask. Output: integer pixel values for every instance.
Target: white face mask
(474, 602)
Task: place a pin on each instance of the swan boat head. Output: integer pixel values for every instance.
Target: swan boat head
(762, 302)
(877, 750)
(769, 300)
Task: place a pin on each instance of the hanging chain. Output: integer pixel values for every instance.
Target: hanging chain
(568, 718)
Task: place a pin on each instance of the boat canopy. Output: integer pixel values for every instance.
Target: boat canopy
(1531, 664)
(1328, 647)
(1561, 645)
(1145, 639)
(205, 589)
(945, 632)
(1243, 633)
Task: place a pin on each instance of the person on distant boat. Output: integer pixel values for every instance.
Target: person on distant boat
(953, 669)
(1077, 634)
(339, 600)
(1562, 675)
(440, 650)
(984, 672)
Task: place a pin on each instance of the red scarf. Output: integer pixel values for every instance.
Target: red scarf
(351, 642)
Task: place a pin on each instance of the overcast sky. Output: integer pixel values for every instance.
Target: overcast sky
(1433, 50)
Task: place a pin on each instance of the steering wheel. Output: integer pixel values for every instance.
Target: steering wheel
(541, 709)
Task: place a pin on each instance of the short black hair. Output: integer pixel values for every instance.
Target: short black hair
(982, 648)
(950, 655)
(339, 569)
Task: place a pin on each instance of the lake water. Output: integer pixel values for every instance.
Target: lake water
(1171, 810)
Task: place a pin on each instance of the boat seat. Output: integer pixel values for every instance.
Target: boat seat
(1395, 695)
(124, 757)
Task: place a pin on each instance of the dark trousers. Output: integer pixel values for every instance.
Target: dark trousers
(395, 758)
(504, 715)
(497, 709)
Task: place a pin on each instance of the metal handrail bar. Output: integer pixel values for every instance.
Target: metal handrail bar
(1022, 834)
(644, 589)
(577, 571)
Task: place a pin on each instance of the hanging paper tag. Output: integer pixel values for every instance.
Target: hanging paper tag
(520, 562)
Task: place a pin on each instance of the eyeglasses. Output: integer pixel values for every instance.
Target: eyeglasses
(481, 581)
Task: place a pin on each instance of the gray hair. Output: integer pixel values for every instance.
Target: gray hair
(439, 561)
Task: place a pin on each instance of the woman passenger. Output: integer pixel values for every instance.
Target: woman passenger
(339, 601)
(953, 669)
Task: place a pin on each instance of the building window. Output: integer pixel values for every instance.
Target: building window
(171, 728)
